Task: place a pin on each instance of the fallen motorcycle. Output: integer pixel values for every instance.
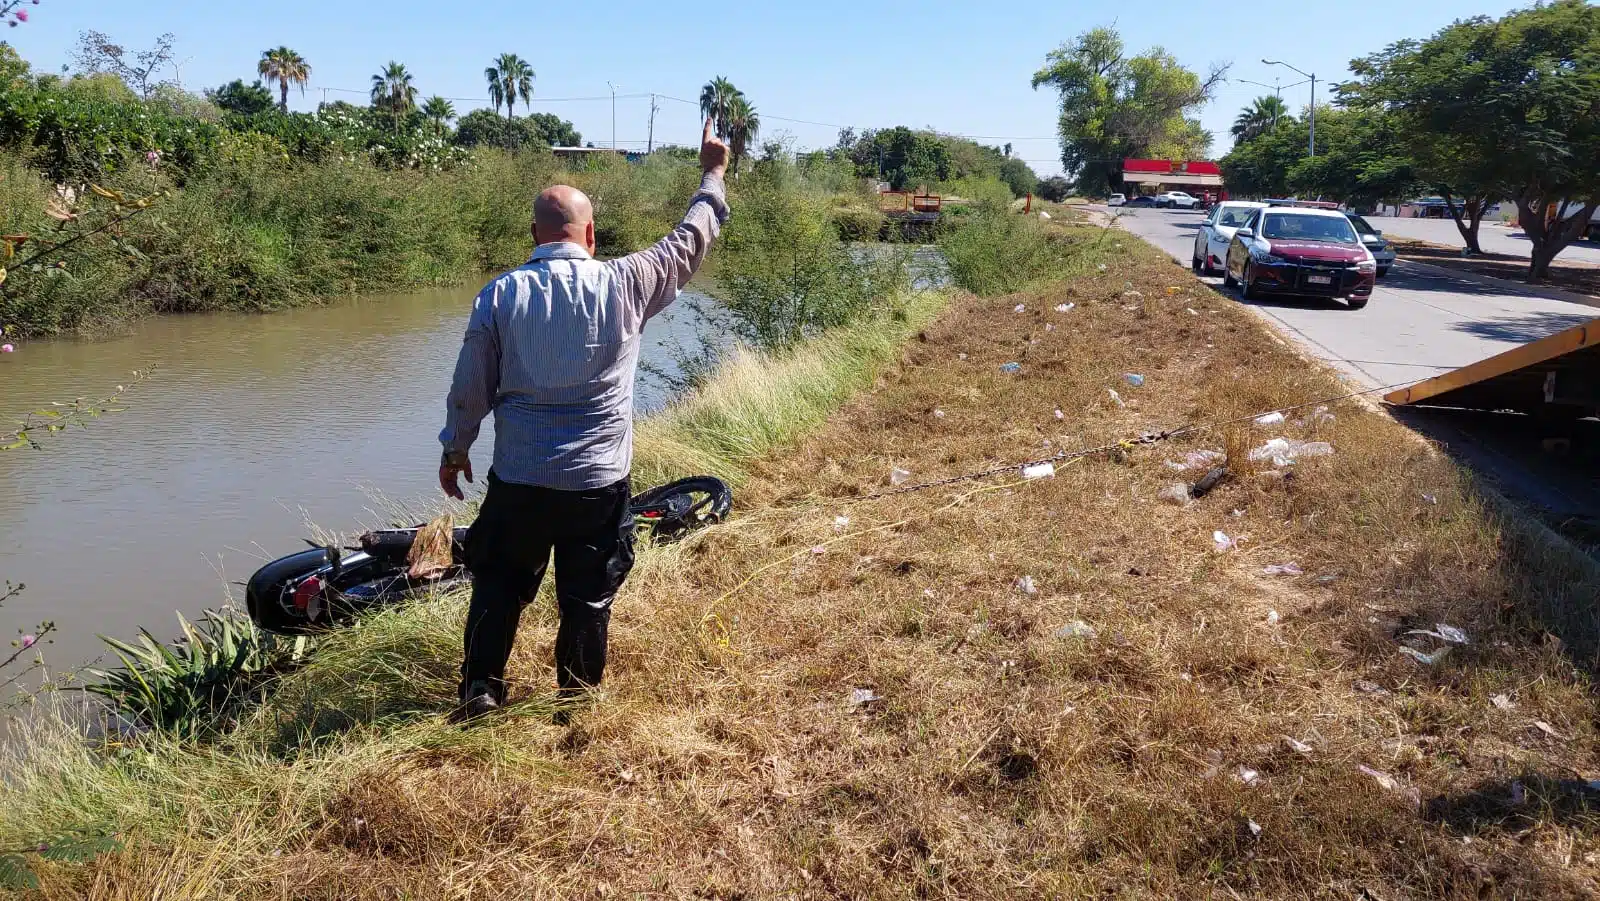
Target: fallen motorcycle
(325, 587)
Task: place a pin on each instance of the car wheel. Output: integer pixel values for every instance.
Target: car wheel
(1227, 276)
(1247, 286)
(1356, 303)
(1194, 264)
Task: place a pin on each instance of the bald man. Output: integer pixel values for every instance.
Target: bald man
(551, 348)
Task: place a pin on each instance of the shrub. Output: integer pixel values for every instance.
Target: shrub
(1055, 188)
(998, 253)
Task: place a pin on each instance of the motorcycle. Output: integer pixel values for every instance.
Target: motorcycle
(325, 587)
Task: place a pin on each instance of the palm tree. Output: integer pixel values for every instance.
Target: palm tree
(285, 67)
(716, 99)
(392, 90)
(744, 126)
(509, 78)
(1261, 116)
(439, 111)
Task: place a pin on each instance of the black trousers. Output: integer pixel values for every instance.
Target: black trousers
(508, 549)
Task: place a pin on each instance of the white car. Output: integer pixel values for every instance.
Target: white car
(1177, 200)
(1117, 200)
(1216, 233)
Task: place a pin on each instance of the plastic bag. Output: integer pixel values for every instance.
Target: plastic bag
(1287, 451)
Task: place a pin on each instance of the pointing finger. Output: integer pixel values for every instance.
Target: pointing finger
(706, 139)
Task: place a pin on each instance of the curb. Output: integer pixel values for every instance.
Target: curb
(1504, 284)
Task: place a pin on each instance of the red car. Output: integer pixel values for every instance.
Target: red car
(1300, 251)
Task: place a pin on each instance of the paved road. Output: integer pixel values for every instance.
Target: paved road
(1417, 325)
(1492, 238)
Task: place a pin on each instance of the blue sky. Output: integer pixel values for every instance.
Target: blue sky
(959, 67)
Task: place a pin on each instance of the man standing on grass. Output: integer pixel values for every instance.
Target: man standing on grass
(551, 348)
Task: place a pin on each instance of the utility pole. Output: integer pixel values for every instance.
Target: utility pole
(1313, 77)
(613, 114)
(650, 145)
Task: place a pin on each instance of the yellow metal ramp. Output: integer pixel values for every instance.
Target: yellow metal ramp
(1554, 376)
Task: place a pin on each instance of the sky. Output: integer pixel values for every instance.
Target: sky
(810, 68)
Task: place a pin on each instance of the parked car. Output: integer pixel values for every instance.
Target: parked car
(1141, 200)
(1307, 252)
(1177, 200)
(1117, 200)
(1212, 239)
(1383, 252)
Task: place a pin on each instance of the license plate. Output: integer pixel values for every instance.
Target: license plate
(1320, 279)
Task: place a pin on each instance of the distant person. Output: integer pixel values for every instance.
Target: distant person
(552, 347)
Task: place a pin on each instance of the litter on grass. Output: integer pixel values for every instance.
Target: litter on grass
(1010, 367)
(1049, 326)
(1431, 499)
(1134, 379)
(1503, 702)
(1247, 775)
(1020, 308)
(1027, 586)
(1274, 617)
(1076, 629)
(1270, 419)
(938, 414)
(1371, 688)
(1200, 459)
(1547, 729)
(1064, 307)
(860, 696)
(1176, 493)
(1296, 745)
(898, 476)
(1059, 414)
(1222, 542)
(819, 550)
(1039, 471)
(1445, 632)
(1192, 311)
(1384, 780)
(1429, 659)
(1287, 451)
(1283, 569)
(1116, 397)
(961, 356)
(840, 522)
(1255, 828)
(1102, 267)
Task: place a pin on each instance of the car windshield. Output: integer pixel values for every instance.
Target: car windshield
(1362, 226)
(1300, 227)
(1235, 216)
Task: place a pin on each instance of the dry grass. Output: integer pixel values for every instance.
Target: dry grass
(1197, 746)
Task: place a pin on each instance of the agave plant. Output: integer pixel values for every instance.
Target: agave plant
(194, 687)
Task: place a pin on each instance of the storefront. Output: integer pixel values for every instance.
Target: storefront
(1201, 178)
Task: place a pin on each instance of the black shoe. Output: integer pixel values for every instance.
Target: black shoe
(479, 701)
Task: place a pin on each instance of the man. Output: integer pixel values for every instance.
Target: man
(552, 348)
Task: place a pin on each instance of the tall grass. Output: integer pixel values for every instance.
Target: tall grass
(993, 251)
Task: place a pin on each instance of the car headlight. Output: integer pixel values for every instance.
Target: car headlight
(1261, 256)
(1367, 267)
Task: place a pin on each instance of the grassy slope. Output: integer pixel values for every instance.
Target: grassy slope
(726, 760)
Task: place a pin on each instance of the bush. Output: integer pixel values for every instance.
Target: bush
(997, 253)
(1055, 188)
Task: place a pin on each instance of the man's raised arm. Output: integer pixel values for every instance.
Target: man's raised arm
(654, 276)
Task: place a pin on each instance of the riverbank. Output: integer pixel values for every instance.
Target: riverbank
(996, 688)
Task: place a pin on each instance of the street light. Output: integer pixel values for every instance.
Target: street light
(1313, 78)
(613, 114)
(1277, 91)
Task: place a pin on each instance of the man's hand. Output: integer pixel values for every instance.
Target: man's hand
(713, 153)
(450, 465)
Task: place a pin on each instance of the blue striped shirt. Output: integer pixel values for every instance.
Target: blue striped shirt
(552, 348)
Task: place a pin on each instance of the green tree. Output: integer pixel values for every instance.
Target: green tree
(716, 102)
(1504, 107)
(286, 67)
(1055, 188)
(744, 126)
(1114, 106)
(393, 92)
(439, 112)
(1018, 176)
(241, 98)
(553, 130)
(1261, 116)
(510, 78)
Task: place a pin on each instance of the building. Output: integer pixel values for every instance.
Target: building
(1202, 178)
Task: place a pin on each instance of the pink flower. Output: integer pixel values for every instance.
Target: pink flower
(22, 15)
(28, 640)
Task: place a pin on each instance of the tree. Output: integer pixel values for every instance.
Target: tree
(716, 101)
(1261, 116)
(1114, 107)
(238, 97)
(744, 125)
(96, 52)
(286, 67)
(1055, 188)
(1502, 108)
(553, 130)
(394, 92)
(483, 128)
(510, 78)
(1018, 176)
(439, 112)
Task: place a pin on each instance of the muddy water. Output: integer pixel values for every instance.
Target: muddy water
(251, 427)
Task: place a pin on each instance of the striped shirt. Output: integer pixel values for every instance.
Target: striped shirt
(552, 348)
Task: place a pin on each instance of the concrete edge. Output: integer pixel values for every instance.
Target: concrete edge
(1504, 283)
